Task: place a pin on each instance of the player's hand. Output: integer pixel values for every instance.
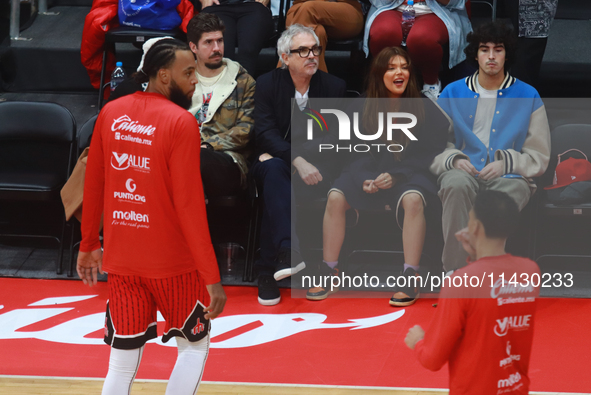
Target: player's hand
(265, 157)
(464, 237)
(369, 186)
(414, 334)
(491, 171)
(384, 181)
(464, 164)
(89, 263)
(307, 171)
(263, 2)
(218, 301)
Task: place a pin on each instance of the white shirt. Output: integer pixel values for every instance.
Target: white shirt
(485, 112)
(302, 100)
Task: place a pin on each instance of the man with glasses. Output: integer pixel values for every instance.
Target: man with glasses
(275, 141)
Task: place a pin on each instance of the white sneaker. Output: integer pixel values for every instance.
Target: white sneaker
(432, 91)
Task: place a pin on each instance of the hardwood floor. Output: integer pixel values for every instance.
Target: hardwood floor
(11, 385)
(41, 386)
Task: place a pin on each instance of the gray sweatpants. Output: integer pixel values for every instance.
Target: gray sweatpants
(457, 191)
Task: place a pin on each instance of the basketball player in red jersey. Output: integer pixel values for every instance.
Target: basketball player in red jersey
(142, 174)
(484, 330)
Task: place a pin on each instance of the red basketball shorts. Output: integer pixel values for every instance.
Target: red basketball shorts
(133, 302)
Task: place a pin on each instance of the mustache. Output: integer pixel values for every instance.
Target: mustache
(213, 55)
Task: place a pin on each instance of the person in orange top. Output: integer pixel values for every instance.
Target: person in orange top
(157, 248)
(484, 330)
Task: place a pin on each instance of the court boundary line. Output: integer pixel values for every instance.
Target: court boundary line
(352, 387)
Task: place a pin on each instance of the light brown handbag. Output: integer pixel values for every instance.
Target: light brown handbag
(73, 190)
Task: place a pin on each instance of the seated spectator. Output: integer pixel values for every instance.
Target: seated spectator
(486, 354)
(501, 135)
(249, 25)
(334, 19)
(400, 180)
(275, 139)
(223, 104)
(438, 23)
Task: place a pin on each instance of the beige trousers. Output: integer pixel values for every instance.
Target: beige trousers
(457, 191)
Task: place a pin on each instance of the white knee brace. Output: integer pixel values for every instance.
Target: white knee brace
(188, 370)
(123, 365)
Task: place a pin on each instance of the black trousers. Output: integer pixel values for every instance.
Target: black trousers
(248, 24)
(220, 175)
(280, 190)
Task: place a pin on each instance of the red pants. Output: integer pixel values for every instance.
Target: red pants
(134, 300)
(424, 42)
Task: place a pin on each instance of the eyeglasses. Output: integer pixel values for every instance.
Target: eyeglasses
(305, 52)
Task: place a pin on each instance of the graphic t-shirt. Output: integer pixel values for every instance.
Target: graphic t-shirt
(486, 332)
(143, 170)
(207, 85)
(202, 112)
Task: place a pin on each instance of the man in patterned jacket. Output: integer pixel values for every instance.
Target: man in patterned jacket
(223, 104)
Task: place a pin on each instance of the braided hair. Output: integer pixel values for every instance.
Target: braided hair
(161, 55)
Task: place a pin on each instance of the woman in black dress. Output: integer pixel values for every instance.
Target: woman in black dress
(385, 180)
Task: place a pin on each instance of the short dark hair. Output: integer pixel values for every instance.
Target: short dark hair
(492, 32)
(203, 23)
(498, 213)
(161, 55)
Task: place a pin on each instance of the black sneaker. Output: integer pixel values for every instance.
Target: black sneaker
(284, 268)
(409, 294)
(321, 293)
(268, 290)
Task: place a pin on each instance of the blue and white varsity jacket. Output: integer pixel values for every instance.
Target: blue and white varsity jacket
(519, 135)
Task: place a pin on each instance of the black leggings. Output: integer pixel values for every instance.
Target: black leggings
(250, 24)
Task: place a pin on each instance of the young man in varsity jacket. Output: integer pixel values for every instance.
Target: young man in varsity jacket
(500, 138)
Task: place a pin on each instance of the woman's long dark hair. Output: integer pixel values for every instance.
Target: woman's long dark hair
(377, 90)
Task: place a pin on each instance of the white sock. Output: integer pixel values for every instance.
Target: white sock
(414, 267)
(332, 265)
(188, 369)
(123, 365)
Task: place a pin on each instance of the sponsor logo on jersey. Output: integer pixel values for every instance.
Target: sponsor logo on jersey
(130, 216)
(125, 124)
(504, 287)
(518, 322)
(122, 161)
(127, 130)
(510, 357)
(129, 196)
(509, 382)
(504, 301)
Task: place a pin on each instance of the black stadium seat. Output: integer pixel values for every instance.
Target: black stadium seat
(36, 155)
(572, 222)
